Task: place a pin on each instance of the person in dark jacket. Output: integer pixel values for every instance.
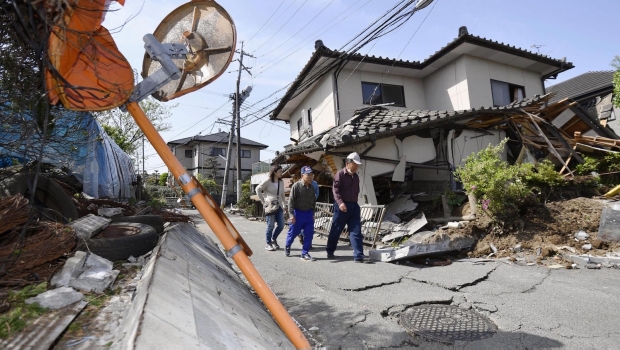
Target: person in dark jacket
(301, 213)
(346, 189)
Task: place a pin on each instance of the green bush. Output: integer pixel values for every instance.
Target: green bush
(610, 163)
(246, 203)
(156, 203)
(495, 183)
(543, 175)
(209, 184)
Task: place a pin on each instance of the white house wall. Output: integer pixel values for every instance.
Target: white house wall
(350, 90)
(472, 141)
(480, 72)
(446, 89)
(321, 101)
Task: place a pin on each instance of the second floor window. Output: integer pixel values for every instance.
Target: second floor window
(189, 153)
(300, 124)
(246, 153)
(506, 93)
(375, 94)
(218, 152)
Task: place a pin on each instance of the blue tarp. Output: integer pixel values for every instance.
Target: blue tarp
(76, 143)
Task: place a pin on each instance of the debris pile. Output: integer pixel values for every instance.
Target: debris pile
(546, 235)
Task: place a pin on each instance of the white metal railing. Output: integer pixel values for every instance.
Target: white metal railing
(371, 217)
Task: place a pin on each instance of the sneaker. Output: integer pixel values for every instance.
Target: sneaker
(307, 257)
(287, 251)
(364, 260)
(331, 256)
(275, 245)
(269, 247)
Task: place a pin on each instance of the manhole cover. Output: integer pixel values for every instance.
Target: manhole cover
(447, 323)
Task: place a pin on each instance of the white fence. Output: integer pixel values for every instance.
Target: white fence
(371, 217)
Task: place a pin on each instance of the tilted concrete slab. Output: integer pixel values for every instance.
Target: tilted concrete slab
(71, 269)
(191, 298)
(89, 225)
(421, 249)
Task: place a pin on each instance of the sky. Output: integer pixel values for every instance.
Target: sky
(281, 35)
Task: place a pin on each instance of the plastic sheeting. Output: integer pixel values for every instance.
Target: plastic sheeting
(75, 143)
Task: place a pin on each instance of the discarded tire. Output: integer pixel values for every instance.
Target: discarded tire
(48, 195)
(155, 221)
(121, 240)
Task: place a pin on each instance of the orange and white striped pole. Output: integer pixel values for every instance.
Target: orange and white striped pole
(210, 212)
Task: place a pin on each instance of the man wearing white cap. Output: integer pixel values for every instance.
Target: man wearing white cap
(346, 210)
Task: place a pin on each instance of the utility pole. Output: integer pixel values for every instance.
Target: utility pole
(238, 101)
(228, 158)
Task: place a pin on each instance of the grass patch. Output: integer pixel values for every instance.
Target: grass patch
(17, 318)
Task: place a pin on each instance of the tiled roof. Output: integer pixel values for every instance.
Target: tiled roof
(220, 137)
(381, 122)
(323, 51)
(582, 85)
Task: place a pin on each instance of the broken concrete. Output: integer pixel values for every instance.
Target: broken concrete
(441, 244)
(89, 225)
(609, 228)
(94, 260)
(110, 212)
(72, 269)
(95, 279)
(56, 298)
(406, 230)
(400, 205)
(585, 260)
(581, 235)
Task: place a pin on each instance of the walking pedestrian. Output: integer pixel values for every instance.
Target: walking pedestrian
(271, 194)
(346, 189)
(301, 213)
(316, 197)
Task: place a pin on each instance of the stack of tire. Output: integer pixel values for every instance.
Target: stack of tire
(50, 200)
(125, 236)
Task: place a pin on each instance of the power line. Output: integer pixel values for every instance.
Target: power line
(396, 17)
(302, 28)
(210, 114)
(302, 43)
(277, 31)
(267, 21)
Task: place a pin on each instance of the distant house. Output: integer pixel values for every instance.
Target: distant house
(412, 122)
(205, 154)
(592, 112)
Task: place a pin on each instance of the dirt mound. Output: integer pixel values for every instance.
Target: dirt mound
(541, 232)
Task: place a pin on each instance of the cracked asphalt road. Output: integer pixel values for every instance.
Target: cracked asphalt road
(358, 305)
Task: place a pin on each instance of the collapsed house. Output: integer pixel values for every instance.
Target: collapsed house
(414, 123)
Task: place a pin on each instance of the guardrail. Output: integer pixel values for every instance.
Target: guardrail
(371, 217)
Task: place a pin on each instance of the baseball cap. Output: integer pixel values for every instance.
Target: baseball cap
(306, 170)
(355, 157)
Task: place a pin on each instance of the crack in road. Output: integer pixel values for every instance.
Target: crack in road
(483, 278)
(403, 307)
(533, 288)
(358, 322)
(373, 286)
(456, 288)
